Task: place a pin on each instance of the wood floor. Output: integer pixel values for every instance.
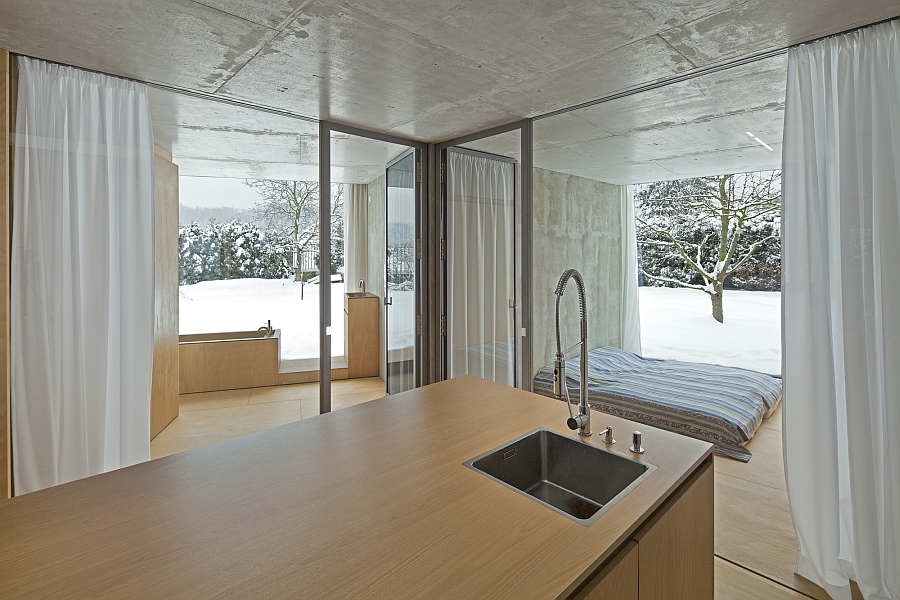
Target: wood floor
(755, 543)
(209, 417)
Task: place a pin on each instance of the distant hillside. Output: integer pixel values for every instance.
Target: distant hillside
(203, 215)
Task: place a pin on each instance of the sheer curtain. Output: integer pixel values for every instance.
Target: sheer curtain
(481, 279)
(629, 315)
(356, 236)
(82, 305)
(841, 303)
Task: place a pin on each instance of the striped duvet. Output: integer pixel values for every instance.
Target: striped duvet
(721, 405)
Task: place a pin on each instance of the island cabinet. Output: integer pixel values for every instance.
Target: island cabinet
(405, 518)
(670, 557)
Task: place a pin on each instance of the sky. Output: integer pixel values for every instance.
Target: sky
(214, 192)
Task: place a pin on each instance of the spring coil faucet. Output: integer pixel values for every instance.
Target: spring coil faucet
(581, 422)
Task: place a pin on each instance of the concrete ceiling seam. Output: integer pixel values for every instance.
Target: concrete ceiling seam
(276, 31)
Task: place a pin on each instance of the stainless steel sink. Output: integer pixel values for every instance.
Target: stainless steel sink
(576, 479)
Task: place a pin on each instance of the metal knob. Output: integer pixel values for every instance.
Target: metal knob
(576, 421)
(608, 436)
(636, 443)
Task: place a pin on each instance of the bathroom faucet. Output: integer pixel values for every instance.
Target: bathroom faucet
(362, 284)
(267, 329)
(581, 422)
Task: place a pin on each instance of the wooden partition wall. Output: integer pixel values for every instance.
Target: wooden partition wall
(164, 395)
(6, 113)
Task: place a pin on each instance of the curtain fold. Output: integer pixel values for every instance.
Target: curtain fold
(356, 236)
(841, 309)
(481, 267)
(82, 304)
(629, 311)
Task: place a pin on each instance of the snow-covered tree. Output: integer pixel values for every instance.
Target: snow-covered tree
(696, 233)
(232, 250)
(290, 209)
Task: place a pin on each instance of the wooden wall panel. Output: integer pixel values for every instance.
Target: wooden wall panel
(676, 547)
(5, 199)
(618, 580)
(228, 365)
(164, 395)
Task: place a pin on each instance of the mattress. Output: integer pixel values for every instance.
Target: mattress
(717, 404)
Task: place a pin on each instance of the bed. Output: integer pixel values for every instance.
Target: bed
(721, 405)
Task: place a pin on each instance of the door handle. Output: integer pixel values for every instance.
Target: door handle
(388, 302)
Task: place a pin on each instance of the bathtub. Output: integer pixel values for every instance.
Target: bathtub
(210, 362)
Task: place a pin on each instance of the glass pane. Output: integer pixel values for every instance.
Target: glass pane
(400, 274)
(361, 324)
(248, 259)
(650, 186)
(481, 280)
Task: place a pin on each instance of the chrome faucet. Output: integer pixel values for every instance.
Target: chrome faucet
(267, 329)
(581, 422)
(362, 284)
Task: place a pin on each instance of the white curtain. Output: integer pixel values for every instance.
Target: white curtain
(629, 313)
(481, 267)
(82, 275)
(841, 309)
(356, 236)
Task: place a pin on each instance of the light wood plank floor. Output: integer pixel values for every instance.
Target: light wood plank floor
(755, 542)
(210, 417)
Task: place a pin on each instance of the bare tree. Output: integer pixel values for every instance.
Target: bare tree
(729, 203)
(291, 208)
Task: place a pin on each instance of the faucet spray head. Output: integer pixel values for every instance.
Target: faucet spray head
(559, 377)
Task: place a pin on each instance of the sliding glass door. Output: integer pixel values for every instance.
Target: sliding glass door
(481, 265)
(400, 274)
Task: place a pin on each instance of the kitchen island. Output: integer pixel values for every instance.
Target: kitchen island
(371, 501)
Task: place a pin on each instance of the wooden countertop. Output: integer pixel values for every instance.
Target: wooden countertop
(368, 501)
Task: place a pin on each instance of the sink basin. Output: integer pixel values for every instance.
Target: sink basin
(574, 478)
(359, 295)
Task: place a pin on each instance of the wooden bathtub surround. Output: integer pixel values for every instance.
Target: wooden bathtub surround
(369, 501)
(361, 335)
(227, 361)
(164, 393)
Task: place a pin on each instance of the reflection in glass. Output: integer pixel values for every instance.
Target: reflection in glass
(400, 274)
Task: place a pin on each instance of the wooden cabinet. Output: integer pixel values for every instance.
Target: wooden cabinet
(361, 335)
(617, 580)
(676, 546)
(671, 555)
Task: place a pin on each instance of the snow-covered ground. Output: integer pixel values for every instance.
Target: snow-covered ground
(677, 323)
(246, 305)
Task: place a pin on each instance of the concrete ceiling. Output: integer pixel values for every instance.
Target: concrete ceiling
(435, 70)
(212, 139)
(688, 129)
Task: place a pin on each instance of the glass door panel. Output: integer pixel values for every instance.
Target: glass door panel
(400, 274)
(481, 266)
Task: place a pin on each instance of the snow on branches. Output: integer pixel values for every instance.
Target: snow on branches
(711, 233)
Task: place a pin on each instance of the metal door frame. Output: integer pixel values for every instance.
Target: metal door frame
(523, 235)
(422, 214)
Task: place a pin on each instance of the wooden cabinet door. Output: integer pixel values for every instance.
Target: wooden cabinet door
(618, 580)
(676, 551)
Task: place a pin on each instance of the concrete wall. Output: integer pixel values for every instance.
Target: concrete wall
(376, 259)
(576, 225)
